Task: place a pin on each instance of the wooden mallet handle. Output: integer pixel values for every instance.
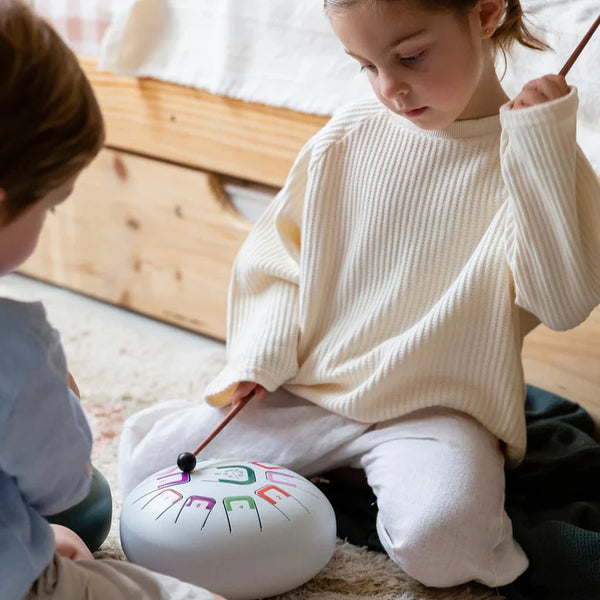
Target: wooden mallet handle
(580, 47)
(234, 411)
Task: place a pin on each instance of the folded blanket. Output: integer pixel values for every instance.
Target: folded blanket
(553, 499)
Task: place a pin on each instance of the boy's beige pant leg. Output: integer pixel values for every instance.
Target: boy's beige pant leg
(109, 579)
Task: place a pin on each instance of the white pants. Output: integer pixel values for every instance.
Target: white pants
(438, 474)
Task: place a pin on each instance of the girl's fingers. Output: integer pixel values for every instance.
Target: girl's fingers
(260, 393)
(529, 98)
(243, 389)
(544, 89)
(552, 86)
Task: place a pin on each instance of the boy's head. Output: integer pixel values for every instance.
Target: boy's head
(51, 126)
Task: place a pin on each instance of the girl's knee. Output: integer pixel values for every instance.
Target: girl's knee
(423, 551)
(446, 550)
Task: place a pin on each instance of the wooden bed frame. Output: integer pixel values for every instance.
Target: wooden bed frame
(150, 228)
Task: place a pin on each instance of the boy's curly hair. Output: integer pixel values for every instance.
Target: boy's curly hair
(51, 126)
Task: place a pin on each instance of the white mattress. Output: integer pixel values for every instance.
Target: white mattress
(276, 52)
(283, 53)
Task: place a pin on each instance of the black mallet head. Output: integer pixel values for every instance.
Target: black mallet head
(186, 461)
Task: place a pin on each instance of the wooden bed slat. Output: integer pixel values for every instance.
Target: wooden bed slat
(567, 363)
(153, 237)
(191, 127)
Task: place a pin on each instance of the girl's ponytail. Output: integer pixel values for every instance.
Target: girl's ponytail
(513, 29)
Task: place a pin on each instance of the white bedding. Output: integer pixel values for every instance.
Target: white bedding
(283, 53)
(276, 52)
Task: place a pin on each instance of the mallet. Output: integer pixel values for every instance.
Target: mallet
(580, 47)
(186, 461)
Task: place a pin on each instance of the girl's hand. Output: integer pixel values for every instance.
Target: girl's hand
(69, 544)
(544, 89)
(244, 388)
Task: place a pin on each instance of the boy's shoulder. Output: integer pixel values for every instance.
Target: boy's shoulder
(26, 339)
(26, 319)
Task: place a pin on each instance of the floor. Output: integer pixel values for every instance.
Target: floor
(25, 288)
(567, 363)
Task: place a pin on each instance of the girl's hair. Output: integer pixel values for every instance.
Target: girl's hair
(51, 126)
(512, 28)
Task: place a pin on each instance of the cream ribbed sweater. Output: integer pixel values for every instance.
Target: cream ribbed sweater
(400, 268)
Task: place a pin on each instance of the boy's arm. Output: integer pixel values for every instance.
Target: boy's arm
(45, 441)
(553, 222)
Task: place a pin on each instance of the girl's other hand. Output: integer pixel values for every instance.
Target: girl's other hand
(69, 545)
(544, 89)
(244, 388)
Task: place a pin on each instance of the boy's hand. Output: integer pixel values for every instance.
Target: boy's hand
(244, 388)
(72, 384)
(544, 89)
(69, 545)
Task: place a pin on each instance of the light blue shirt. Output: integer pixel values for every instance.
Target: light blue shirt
(45, 444)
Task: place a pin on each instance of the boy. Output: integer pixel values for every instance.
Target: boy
(50, 129)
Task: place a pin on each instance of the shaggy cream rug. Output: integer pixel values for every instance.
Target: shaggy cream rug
(123, 362)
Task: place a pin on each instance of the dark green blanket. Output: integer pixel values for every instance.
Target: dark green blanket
(553, 499)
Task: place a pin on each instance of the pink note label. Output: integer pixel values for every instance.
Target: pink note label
(160, 503)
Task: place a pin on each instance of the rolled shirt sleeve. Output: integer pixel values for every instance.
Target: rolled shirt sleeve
(262, 324)
(553, 221)
(45, 440)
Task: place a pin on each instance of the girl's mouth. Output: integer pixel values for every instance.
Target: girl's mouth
(415, 112)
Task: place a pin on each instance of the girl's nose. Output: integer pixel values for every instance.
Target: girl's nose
(391, 86)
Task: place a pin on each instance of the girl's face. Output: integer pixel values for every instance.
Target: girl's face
(432, 67)
(19, 237)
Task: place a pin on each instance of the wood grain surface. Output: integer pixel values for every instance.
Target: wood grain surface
(195, 128)
(567, 363)
(156, 238)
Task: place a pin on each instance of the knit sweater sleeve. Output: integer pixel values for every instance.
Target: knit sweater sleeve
(262, 320)
(553, 217)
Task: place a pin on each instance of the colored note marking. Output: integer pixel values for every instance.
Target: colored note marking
(194, 506)
(239, 510)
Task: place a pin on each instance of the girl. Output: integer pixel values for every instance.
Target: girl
(50, 129)
(382, 299)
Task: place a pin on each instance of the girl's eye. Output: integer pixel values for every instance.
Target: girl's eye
(411, 60)
(364, 68)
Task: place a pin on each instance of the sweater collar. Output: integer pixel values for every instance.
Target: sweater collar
(470, 128)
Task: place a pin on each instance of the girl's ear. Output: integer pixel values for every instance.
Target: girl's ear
(490, 14)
